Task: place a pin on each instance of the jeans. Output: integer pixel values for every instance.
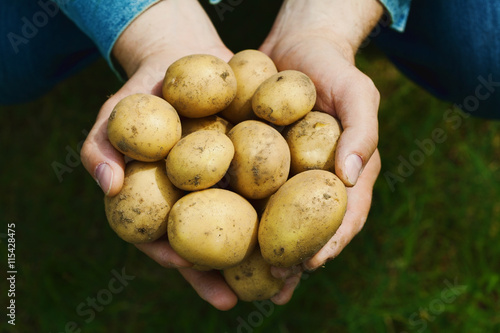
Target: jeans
(452, 49)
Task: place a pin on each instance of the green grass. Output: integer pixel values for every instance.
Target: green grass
(426, 261)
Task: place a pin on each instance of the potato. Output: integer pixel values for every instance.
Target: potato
(199, 85)
(261, 161)
(199, 160)
(251, 68)
(301, 217)
(213, 228)
(251, 280)
(144, 127)
(215, 123)
(138, 214)
(313, 141)
(284, 98)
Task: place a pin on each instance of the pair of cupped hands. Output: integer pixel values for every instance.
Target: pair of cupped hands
(319, 38)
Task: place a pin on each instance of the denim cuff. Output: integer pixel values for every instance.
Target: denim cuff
(104, 21)
(398, 10)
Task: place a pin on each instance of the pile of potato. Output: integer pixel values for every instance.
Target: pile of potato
(233, 165)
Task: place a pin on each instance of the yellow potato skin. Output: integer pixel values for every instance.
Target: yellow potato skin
(199, 160)
(138, 213)
(199, 85)
(284, 97)
(213, 123)
(313, 142)
(213, 228)
(301, 217)
(144, 127)
(261, 161)
(251, 280)
(251, 68)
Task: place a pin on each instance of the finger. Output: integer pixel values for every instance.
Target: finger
(211, 286)
(161, 252)
(286, 292)
(356, 105)
(358, 206)
(100, 158)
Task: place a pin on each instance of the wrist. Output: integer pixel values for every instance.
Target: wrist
(346, 23)
(176, 27)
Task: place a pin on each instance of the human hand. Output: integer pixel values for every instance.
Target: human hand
(320, 39)
(162, 34)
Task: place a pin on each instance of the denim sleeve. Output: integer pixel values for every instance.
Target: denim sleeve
(104, 20)
(398, 10)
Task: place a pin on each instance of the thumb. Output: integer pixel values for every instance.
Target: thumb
(356, 105)
(98, 155)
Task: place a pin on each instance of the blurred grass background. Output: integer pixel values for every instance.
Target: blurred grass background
(426, 261)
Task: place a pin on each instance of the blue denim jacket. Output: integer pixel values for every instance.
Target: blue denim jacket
(103, 21)
(398, 10)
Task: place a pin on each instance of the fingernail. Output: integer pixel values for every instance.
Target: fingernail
(104, 177)
(353, 165)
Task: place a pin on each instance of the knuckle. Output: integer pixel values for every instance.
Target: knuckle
(370, 88)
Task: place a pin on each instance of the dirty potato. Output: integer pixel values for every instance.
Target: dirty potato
(199, 160)
(213, 228)
(301, 217)
(284, 97)
(261, 161)
(199, 85)
(138, 213)
(144, 127)
(213, 123)
(313, 142)
(251, 280)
